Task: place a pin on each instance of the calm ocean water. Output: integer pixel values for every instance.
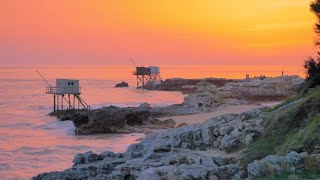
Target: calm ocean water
(31, 142)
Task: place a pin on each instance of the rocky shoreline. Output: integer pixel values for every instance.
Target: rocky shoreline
(208, 98)
(112, 119)
(211, 150)
(208, 150)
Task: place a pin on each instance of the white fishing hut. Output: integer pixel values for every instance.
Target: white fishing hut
(67, 90)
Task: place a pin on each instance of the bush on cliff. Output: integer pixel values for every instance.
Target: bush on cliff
(293, 129)
(312, 67)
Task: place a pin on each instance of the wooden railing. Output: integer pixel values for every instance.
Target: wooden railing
(53, 90)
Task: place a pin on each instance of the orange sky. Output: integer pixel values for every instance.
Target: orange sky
(215, 32)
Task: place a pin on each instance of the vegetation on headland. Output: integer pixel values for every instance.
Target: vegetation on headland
(306, 174)
(296, 128)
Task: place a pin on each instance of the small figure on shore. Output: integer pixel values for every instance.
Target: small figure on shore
(282, 73)
(247, 76)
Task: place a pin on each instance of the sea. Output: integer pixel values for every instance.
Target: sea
(31, 142)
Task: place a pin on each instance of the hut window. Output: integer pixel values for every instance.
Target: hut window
(68, 83)
(72, 83)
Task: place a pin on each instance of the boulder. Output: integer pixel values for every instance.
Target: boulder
(122, 84)
(201, 101)
(249, 138)
(111, 120)
(170, 123)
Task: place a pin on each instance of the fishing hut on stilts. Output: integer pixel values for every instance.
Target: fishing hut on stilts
(68, 91)
(146, 75)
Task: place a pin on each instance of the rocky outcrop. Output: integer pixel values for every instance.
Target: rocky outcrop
(276, 165)
(209, 96)
(115, 120)
(201, 151)
(266, 89)
(180, 84)
(122, 84)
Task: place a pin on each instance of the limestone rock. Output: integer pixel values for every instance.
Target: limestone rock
(201, 101)
(249, 138)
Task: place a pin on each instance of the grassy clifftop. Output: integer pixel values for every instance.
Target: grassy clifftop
(291, 126)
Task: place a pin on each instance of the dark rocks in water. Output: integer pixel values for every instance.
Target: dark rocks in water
(112, 119)
(137, 117)
(122, 84)
(78, 117)
(78, 120)
(109, 119)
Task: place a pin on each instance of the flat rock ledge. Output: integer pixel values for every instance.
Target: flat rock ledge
(112, 119)
(211, 150)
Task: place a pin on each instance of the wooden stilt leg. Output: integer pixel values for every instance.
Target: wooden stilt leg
(54, 102)
(62, 102)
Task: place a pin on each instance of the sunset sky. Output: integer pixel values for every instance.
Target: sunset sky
(208, 32)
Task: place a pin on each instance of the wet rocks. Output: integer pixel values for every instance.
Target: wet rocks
(137, 117)
(112, 119)
(122, 84)
(107, 120)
